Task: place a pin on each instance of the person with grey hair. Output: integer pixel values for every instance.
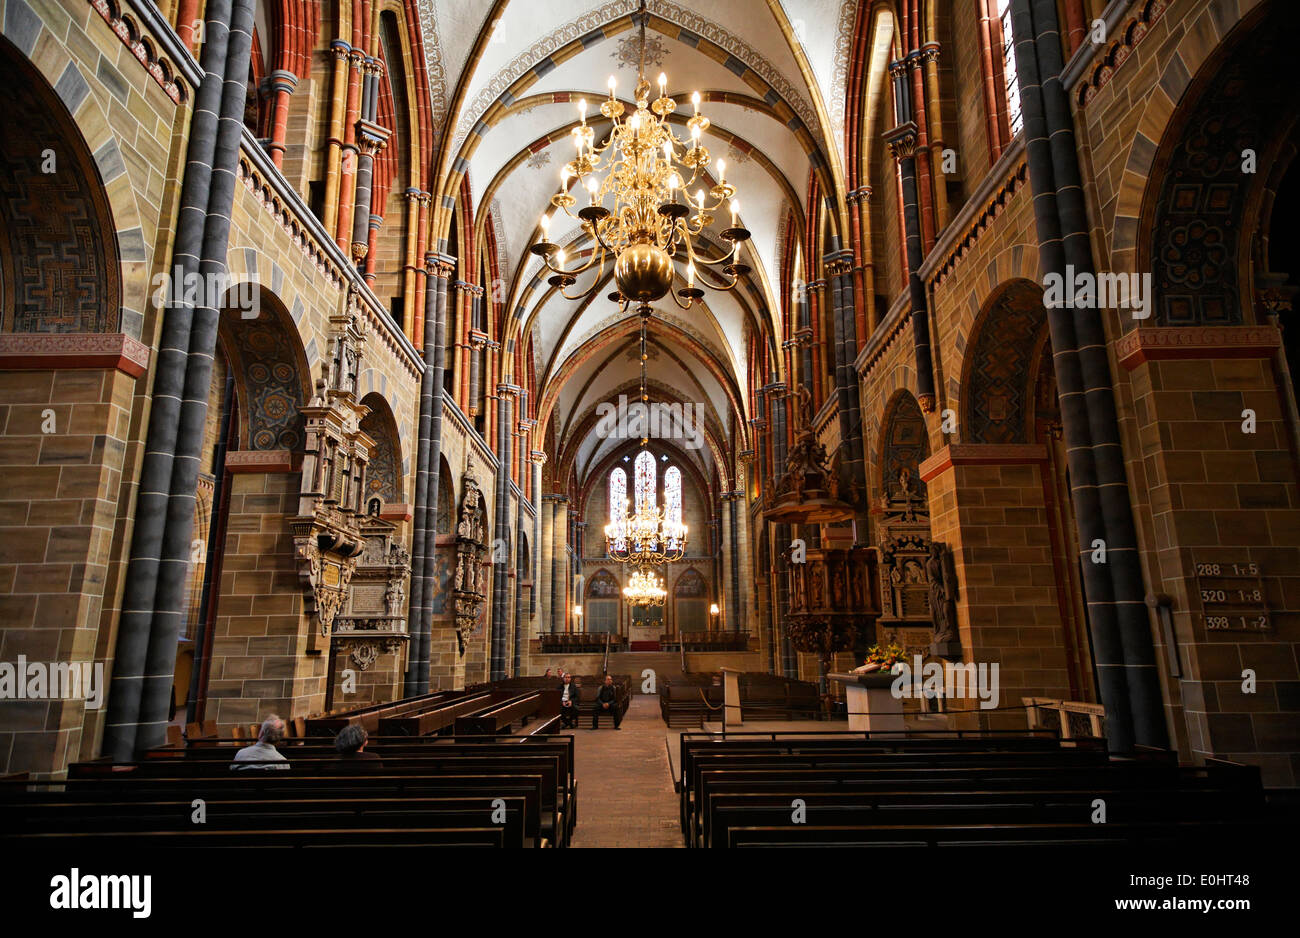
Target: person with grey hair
(350, 744)
(263, 754)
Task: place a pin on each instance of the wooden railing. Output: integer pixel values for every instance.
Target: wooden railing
(1071, 718)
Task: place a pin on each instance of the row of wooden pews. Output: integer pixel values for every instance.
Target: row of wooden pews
(471, 768)
(948, 789)
(588, 684)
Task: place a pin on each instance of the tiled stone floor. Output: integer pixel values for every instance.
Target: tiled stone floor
(625, 788)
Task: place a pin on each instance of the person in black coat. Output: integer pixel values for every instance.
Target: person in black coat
(606, 702)
(570, 697)
(352, 758)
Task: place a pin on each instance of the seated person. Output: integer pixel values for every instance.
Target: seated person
(606, 702)
(569, 700)
(350, 744)
(263, 754)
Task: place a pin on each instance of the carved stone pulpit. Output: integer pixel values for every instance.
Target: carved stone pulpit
(830, 599)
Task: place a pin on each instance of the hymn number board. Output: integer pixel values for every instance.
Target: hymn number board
(1232, 596)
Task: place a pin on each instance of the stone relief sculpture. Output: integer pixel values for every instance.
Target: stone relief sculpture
(941, 573)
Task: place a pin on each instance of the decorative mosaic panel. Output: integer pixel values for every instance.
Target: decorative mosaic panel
(1196, 242)
(270, 384)
(60, 265)
(381, 473)
(999, 370)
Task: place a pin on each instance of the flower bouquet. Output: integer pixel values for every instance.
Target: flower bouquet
(881, 659)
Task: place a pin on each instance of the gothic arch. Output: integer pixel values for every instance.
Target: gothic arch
(59, 263)
(1201, 210)
(446, 498)
(384, 477)
(904, 441)
(272, 378)
(999, 361)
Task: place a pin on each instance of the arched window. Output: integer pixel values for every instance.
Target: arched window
(1014, 118)
(673, 502)
(645, 482)
(618, 506)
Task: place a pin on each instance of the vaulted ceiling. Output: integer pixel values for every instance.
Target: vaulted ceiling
(505, 76)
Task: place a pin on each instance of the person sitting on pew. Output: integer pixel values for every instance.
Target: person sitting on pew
(350, 744)
(263, 751)
(606, 702)
(570, 697)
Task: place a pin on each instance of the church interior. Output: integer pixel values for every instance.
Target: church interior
(885, 407)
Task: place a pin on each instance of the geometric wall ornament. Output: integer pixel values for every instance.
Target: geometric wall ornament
(59, 268)
(1199, 217)
(997, 394)
(265, 360)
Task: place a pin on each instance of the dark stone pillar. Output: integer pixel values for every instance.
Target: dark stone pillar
(428, 479)
(902, 144)
(501, 545)
(1122, 559)
(1108, 656)
(840, 268)
(143, 659)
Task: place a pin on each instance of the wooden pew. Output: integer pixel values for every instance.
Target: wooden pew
(263, 838)
(530, 790)
(105, 816)
(1113, 836)
(500, 717)
(426, 722)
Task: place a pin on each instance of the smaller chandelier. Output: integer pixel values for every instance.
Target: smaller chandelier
(653, 534)
(645, 589)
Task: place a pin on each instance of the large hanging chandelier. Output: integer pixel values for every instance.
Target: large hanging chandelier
(663, 200)
(645, 589)
(651, 534)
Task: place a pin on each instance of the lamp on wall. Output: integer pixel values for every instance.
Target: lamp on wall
(713, 616)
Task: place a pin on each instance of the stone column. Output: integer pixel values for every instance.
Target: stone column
(545, 576)
(501, 545)
(153, 606)
(428, 475)
(369, 144)
(538, 459)
(340, 50)
(902, 145)
(282, 83)
(1123, 561)
(1122, 653)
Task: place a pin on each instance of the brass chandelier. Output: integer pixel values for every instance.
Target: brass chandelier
(662, 200)
(645, 589)
(649, 536)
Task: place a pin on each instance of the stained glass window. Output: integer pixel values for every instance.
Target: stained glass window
(646, 473)
(646, 484)
(673, 504)
(618, 506)
(1014, 117)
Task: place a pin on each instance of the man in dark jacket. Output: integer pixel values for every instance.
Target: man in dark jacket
(350, 744)
(606, 702)
(570, 697)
